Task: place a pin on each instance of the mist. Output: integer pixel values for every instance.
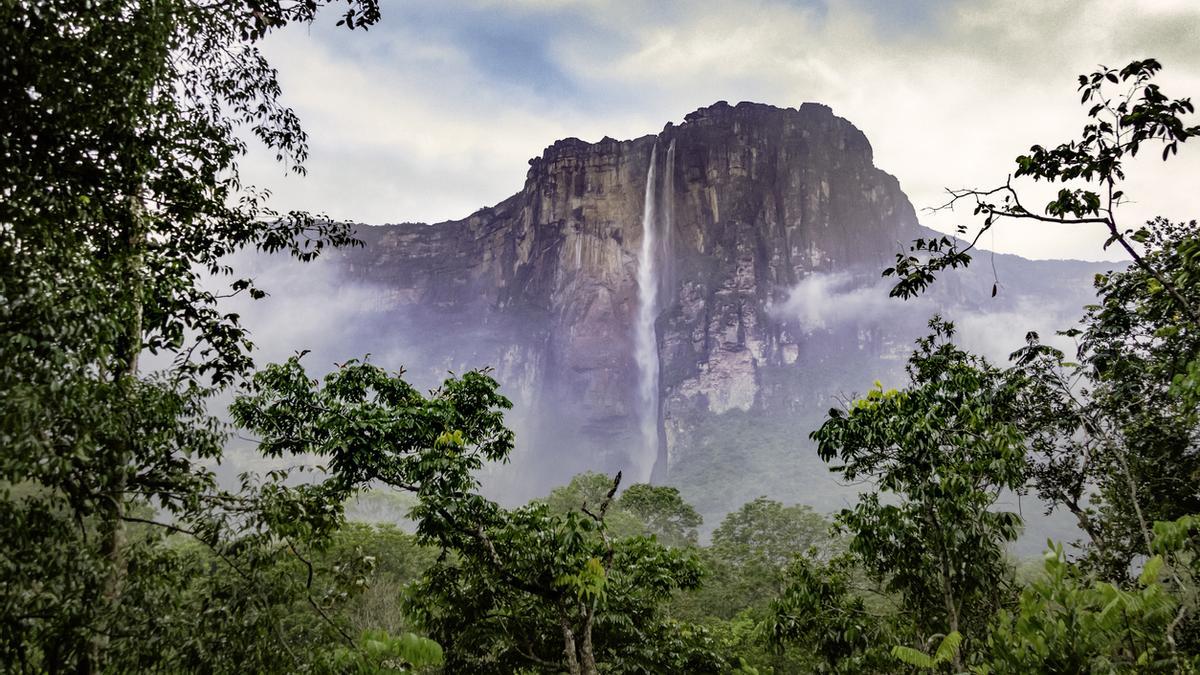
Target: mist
(992, 327)
(843, 306)
(316, 310)
(319, 308)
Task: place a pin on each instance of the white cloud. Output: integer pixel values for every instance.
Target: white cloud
(843, 303)
(830, 301)
(410, 126)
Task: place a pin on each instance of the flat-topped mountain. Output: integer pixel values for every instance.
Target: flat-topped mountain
(686, 304)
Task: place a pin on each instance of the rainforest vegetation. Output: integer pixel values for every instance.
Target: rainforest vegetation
(120, 200)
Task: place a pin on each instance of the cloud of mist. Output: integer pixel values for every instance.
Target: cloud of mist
(313, 306)
(997, 334)
(310, 307)
(839, 307)
(992, 327)
(827, 301)
(316, 307)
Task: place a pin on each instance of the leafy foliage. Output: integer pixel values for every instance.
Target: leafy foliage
(120, 187)
(666, 516)
(378, 652)
(945, 446)
(1118, 428)
(522, 588)
(1118, 126)
(642, 509)
(1111, 436)
(819, 610)
(1066, 624)
(946, 651)
(765, 530)
(746, 567)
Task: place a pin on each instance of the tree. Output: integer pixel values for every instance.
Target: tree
(120, 187)
(1112, 435)
(765, 530)
(819, 611)
(662, 512)
(513, 589)
(589, 489)
(747, 559)
(750, 552)
(1137, 351)
(1119, 126)
(552, 593)
(945, 446)
(381, 562)
(642, 509)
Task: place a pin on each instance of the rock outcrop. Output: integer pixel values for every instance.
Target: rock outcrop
(543, 286)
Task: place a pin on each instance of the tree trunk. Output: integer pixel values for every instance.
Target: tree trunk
(951, 609)
(586, 653)
(947, 583)
(569, 646)
(1085, 523)
(125, 373)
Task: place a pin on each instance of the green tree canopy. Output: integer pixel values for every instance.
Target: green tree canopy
(119, 188)
(526, 588)
(765, 530)
(943, 447)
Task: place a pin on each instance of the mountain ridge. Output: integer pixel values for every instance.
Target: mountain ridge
(758, 201)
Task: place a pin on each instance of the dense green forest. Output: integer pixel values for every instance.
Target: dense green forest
(124, 123)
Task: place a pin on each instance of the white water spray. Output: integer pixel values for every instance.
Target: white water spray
(645, 341)
(656, 234)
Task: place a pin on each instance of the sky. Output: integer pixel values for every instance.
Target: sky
(436, 111)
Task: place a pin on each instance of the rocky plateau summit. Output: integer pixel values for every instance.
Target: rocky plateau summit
(748, 206)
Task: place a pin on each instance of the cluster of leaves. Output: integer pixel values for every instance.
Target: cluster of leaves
(1119, 125)
(947, 446)
(971, 431)
(523, 588)
(656, 511)
(119, 188)
(1065, 623)
(378, 652)
(820, 609)
(1111, 438)
(746, 566)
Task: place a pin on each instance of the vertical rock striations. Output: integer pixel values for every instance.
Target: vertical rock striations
(763, 197)
(750, 200)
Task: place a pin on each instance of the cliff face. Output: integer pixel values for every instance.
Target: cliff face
(764, 197)
(543, 286)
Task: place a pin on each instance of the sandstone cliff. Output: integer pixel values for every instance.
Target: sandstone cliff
(543, 286)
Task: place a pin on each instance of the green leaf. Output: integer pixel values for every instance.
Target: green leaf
(948, 649)
(912, 657)
(1151, 570)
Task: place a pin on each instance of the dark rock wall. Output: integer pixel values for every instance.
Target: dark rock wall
(763, 197)
(543, 285)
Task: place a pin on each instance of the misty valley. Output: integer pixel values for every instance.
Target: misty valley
(714, 399)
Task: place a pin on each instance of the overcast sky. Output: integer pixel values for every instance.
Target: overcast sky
(436, 111)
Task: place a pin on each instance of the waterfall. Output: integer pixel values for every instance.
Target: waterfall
(645, 341)
(655, 256)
